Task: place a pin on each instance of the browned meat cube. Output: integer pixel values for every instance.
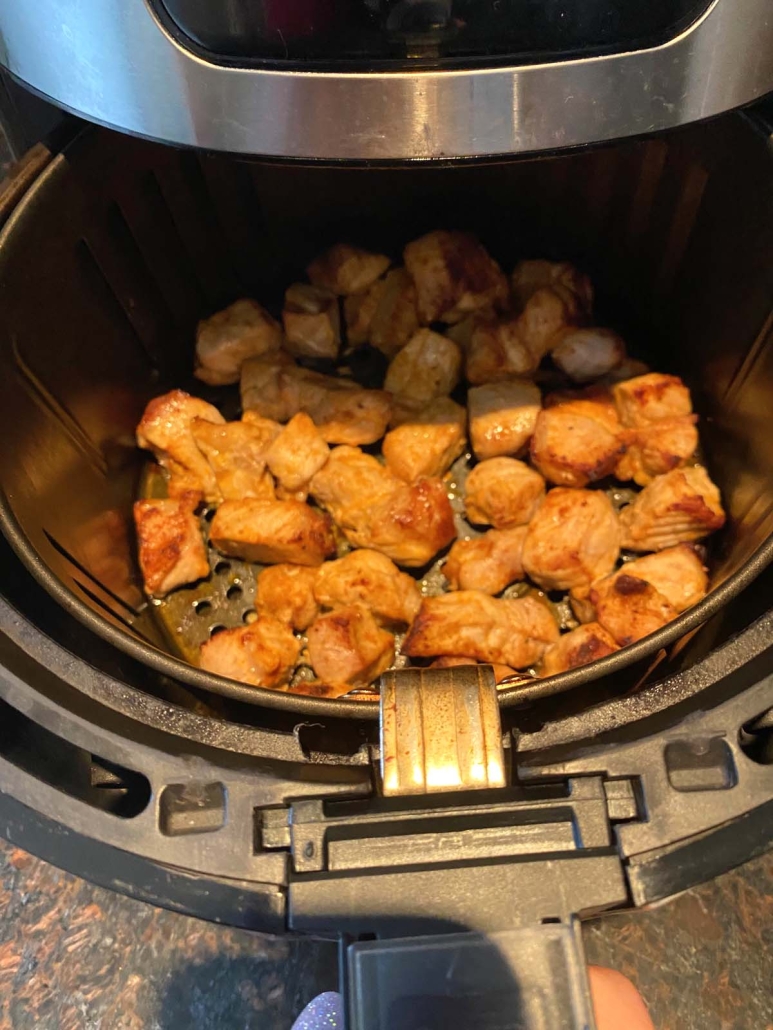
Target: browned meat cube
(165, 429)
(489, 563)
(573, 540)
(471, 624)
(660, 435)
(311, 321)
(237, 453)
(359, 310)
(297, 453)
(579, 647)
(545, 316)
(262, 654)
(370, 579)
(679, 507)
(651, 398)
(502, 492)
(348, 646)
(454, 275)
(577, 440)
(428, 443)
(286, 592)
(345, 269)
(502, 416)
(385, 316)
(573, 286)
(270, 532)
(171, 547)
(497, 350)
(587, 354)
(227, 339)
(630, 608)
(677, 573)
(267, 388)
(427, 367)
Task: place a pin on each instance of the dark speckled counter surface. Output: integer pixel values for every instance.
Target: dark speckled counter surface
(77, 957)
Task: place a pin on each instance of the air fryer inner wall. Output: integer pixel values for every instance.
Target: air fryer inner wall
(123, 245)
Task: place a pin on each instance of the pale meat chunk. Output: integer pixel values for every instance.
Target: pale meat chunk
(502, 492)
(536, 274)
(345, 269)
(576, 440)
(375, 509)
(501, 672)
(454, 275)
(227, 339)
(587, 354)
(286, 592)
(267, 389)
(679, 507)
(502, 416)
(311, 322)
(579, 647)
(497, 350)
(165, 429)
(347, 645)
(427, 367)
(660, 431)
(262, 654)
(545, 315)
(677, 573)
(237, 453)
(371, 579)
(171, 547)
(630, 608)
(269, 532)
(573, 540)
(395, 319)
(468, 623)
(427, 444)
(359, 310)
(488, 563)
(297, 453)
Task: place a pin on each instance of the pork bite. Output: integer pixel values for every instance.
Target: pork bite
(502, 417)
(427, 443)
(311, 322)
(660, 429)
(428, 366)
(488, 563)
(579, 647)
(587, 354)
(629, 608)
(502, 492)
(236, 452)
(344, 269)
(678, 507)
(270, 532)
(537, 274)
(454, 275)
(347, 645)
(227, 339)
(286, 592)
(297, 453)
(370, 579)
(678, 573)
(577, 440)
(262, 654)
(267, 388)
(171, 547)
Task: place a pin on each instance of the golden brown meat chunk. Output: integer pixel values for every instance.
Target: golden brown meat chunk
(375, 509)
(468, 623)
(454, 275)
(311, 321)
(677, 573)
(286, 592)
(262, 654)
(427, 367)
(171, 547)
(489, 563)
(587, 354)
(660, 431)
(497, 349)
(629, 608)
(502, 492)
(270, 532)
(501, 672)
(347, 645)
(345, 269)
(359, 310)
(679, 507)
(651, 398)
(427, 444)
(573, 540)
(371, 579)
(297, 453)
(385, 316)
(537, 274)
(545, 316)
(580, 646)
(577, 441)
(502, 416)
(225, 341)
(237, 453)
(165, 429)
(266, 388)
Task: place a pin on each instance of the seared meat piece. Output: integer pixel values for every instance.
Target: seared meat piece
(677, 573)
(577, 439)
(651, 398)
(580, 646)
(171, 547)
(427, 444)
(470, 624)
(165, 429)
(262, 654)
(427, 367)
(237, 453)
(269, 532)
(454, 275)
(297, 453)
(545, 315)
(588, 354)
(501, 672)
(630, 608)
(386, 315)
(489, 563)
(573, 286)
(359, 310)
(311, 321)
(375, 509)
(225, 341)
(286, 592)
(573, 540)
(497, 349)
(345, 269)
(660, 432)
(370, 579)
(502, 416)
(678, 507)
(267, 388)
(348, 646)
(502, 492)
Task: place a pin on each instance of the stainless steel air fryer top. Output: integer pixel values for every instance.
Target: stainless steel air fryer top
(382, 79)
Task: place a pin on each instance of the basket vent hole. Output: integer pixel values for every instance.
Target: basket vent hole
(215, 630)
(222, 567)
(234, 593)
(202, 607)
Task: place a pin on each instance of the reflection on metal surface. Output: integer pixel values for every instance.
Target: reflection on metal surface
(440, 730)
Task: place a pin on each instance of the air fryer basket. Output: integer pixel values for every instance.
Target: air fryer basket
(121, 246)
